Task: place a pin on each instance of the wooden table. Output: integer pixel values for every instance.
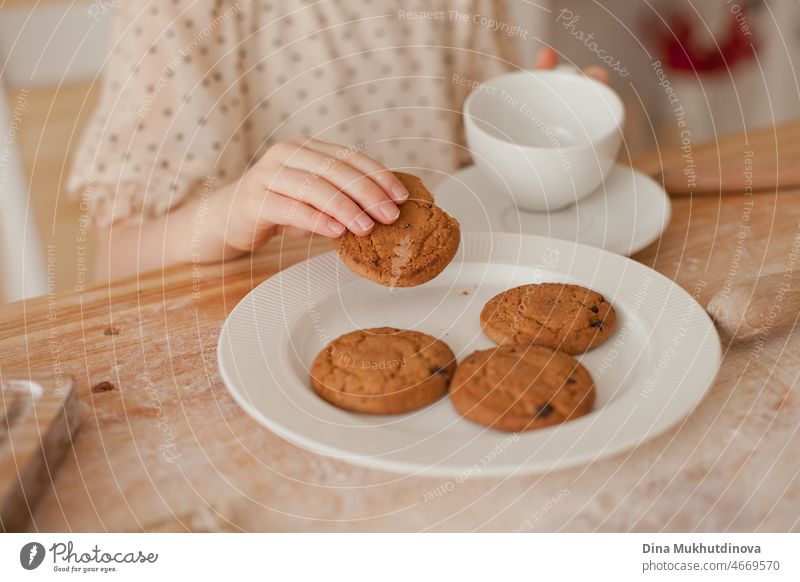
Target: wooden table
(163, 447)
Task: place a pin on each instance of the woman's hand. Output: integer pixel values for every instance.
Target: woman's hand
(315, 187)
(548, 59)
(299, 188)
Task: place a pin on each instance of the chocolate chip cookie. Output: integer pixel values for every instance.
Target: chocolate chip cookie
(411, 251)
(517, 388)
(414, 186)
(561, 316)
(383, 370)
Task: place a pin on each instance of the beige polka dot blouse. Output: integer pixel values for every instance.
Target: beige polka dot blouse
(195, 91)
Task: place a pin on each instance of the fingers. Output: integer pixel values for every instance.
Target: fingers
(366, 165)
(315, 191)
(357, 186)
(597, 73)
(325, 188)
(278, 209)
(547, 58)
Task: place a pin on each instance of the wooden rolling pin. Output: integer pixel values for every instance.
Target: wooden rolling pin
(757, 307)
(765, 175)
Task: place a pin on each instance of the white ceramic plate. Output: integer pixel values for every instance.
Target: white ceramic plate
(649, 374)
(626, 214)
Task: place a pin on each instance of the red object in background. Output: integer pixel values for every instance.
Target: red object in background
(679, 49)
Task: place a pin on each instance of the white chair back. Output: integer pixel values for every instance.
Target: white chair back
(23, 273)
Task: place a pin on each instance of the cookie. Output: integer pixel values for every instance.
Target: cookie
(411, 251)
(570, 318)
(414, 186)
(383, 370)
(517, 388)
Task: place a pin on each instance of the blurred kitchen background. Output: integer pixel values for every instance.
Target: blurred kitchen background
(52, 52)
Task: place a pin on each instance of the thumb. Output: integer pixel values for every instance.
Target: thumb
(547, 58)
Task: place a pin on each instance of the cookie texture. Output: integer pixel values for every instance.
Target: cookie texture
(413, 184)
(570, 318)
(383, 370)
(413, 250)
(518, 388)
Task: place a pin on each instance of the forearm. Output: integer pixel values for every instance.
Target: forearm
(316, 187)
(190, 233)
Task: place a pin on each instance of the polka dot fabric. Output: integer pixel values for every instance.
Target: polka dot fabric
(194, 91)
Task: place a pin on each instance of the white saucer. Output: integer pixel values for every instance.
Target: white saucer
(626, 214)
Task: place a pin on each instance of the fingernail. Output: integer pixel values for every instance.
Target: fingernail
(399, 193)
(336, 226)
(364, 222)
(389, 210)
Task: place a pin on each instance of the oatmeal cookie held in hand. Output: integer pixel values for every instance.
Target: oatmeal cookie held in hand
(411, 251)
(564, 317)
(383, 370)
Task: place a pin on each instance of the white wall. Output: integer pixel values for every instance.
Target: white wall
(53, 42)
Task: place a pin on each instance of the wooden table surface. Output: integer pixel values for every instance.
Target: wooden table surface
(163, 447)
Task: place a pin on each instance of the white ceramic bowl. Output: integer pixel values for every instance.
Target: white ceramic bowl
(549, 137)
